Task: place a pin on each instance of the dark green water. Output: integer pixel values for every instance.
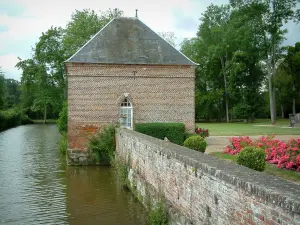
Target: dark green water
(36, 186)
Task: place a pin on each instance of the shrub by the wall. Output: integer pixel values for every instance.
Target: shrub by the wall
(196, 142)
(187, 135)
(173, 131)
(202, 132)
(11, 118)
(104, 144)
(253, 158)
(62, 121)
(63, 143)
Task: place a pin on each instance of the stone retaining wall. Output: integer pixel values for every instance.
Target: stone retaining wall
(201, 189)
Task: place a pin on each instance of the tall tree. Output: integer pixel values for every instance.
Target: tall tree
(169, 37)
(77, 33)
(277, 13)
(49, 52)
(213, 31)
(292, 65)
(2, 89)
(38, 86)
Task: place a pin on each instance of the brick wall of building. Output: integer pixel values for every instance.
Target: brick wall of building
(201, 189)
(157, 93)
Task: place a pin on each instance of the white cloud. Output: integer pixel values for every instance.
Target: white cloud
(8, 62)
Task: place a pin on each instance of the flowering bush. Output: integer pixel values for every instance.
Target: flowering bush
(202, 132)
(284, 154)
(237, 144)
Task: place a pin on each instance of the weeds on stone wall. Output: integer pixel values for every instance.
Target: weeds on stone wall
(121, 166)
(122, 171)
(157, 214)
(103, 144)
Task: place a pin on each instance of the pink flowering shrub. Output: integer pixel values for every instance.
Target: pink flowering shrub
(202, 132)
(284, 154)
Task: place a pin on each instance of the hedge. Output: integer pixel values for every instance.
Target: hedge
(12, 118)
(173, 131)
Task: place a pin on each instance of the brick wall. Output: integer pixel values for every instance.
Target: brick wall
(201, 189)
(158, 94)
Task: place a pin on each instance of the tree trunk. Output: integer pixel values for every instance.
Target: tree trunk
(294, 106)
(282, 112)
(274, 105)
(225, 88)
(272, 100)
(45, 113)
(226, 100)
(294, 100)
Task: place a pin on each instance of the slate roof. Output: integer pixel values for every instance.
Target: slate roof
(129, 41)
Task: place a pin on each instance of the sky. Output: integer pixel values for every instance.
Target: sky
(23, 21)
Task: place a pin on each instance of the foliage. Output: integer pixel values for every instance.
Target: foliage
(202, 132)
(173, 131)
(2, 85)
(63, 143)
(238, 48)
(62, 121)
(169, 37)
(122, 171)
(103, 144)
(284, 154)
(270, 169)
(11, 118)
(77, 33)
(196, 142)
(188, 134)
(158, 215)
(253, 158)
(43, 81)
(237, 144)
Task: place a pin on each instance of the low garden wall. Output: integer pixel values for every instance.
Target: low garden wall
(200, 189)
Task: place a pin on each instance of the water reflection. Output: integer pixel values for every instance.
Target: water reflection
(36, 187)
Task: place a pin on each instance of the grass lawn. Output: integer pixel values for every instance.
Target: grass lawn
(270, 169)
(256, 128)
(42, 121)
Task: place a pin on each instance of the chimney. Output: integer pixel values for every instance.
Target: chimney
(136, 15)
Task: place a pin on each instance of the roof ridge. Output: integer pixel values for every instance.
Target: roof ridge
(90, 39)
(169, 44)
(124, 40)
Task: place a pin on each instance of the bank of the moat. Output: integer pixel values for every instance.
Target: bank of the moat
(36, 186)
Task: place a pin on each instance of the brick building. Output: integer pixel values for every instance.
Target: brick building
(126, 74)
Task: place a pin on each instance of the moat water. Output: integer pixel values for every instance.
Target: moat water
(37, 187)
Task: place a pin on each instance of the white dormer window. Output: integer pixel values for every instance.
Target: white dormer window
(126, 114)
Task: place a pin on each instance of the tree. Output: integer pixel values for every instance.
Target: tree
(2, 89)
(169, 37)
(49, 51)
(39, 88)
(13, 93)
(213, 31)
(277, 12)
(77, 33)
(292, 65)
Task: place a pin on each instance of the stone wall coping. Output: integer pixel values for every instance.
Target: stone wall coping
(266, 187)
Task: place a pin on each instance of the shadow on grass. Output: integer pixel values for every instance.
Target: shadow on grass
(270, 169)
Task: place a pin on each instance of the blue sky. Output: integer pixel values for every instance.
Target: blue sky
(23, 21)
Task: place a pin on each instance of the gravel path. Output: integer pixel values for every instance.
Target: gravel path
(217, 143)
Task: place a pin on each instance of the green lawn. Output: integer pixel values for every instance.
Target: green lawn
(42, 121)
(256, 128)
(270, 169)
